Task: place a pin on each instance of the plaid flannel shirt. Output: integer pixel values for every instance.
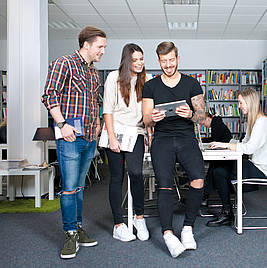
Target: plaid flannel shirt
(73, 85)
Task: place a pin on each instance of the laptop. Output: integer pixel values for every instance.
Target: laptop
(205, 147)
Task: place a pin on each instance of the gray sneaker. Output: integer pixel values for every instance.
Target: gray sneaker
(84, 240)
(71, 245)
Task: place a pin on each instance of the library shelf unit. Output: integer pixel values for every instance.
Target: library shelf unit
(220, 88)
(3, 95)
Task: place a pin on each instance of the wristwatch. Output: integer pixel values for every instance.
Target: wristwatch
(61, 124)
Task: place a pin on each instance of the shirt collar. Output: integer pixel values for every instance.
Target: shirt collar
(80, 57)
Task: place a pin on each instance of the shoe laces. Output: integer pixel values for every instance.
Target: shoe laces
(70, 238)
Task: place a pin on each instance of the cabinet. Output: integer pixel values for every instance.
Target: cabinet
(264, 87)
(220, 88)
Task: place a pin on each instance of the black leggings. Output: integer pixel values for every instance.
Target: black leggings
(222, 177)
(134, 165)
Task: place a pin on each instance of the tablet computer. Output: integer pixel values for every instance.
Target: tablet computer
(169, 107)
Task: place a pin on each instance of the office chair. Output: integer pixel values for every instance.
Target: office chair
(252, 181)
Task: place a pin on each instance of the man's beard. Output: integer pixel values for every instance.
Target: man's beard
(170, 75)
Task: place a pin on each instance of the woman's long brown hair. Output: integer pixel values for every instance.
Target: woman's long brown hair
(125, 72)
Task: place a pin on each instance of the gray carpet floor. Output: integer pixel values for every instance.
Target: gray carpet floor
(35, 240)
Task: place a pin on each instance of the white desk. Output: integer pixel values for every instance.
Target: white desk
(37, 173)
(230, 155)
(208, 155)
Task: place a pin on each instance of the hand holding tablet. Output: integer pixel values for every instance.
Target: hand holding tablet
(170, 107)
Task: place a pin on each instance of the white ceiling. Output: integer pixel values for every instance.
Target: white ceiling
(148, 19)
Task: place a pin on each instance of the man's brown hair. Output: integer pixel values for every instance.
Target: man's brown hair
(89, 35)
(165, 48)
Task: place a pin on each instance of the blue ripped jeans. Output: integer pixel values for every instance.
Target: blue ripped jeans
(74, 162)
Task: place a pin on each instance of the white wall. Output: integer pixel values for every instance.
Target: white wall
(195, 54)
(3, 55)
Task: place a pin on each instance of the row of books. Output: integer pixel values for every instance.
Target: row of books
(222, 94)
(248, 78)
(234, 126)
(201, 77)
(224, 109)
(215, 77)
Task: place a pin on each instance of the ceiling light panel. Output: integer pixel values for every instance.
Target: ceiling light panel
(181, 9)
(187, 25)
(181, 2)
(63, 25)
(182, 17)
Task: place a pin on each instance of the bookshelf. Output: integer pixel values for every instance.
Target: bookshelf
(264, 87)
(3, 95)
(220, 88)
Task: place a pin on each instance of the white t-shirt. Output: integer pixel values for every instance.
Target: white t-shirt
(256, 144)
(114, 104)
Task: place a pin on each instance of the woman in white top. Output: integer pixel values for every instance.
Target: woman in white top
(254, 144)
(122, 108)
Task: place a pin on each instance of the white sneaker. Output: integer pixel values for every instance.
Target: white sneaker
(140, 226)
(122, 233)
(187, 238)
(173, 244)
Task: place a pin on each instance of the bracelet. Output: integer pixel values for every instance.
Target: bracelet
(191, 116)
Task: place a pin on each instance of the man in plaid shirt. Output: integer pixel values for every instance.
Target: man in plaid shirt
(71, 91)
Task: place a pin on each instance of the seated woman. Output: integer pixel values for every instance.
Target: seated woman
(254, 144)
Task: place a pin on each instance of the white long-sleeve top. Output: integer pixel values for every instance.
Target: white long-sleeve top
(114, 104)
(256, 144)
